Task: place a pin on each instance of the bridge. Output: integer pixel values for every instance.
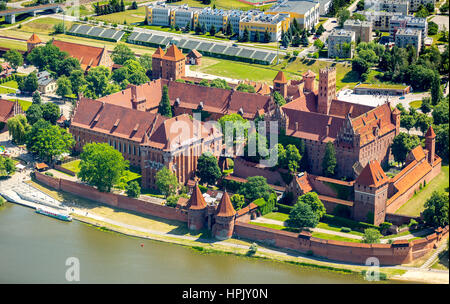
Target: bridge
(10, 15)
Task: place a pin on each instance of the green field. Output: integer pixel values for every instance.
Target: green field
(130, 16)
(73, 166)
(13, 44)
(415, 104)
(10, 84)
(416, 204)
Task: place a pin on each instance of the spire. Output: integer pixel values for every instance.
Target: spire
(281, 78)
(196, 202)
(158, 53)
(372, 175)
(174, 54)
(34, 39)
(225, 208)
(430, 133)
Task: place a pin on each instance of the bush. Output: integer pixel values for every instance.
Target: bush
(202, 188)
(284, 208)
(412, 223)
(343, 222)
(346, 229)
(49, 174)
(133, 189)
(371, 236)
(2, 201)
(252, 249)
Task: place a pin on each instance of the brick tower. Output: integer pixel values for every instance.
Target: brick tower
(156, 63)
(196, 207)
(371, 189)
(308, 79)
(430, 141)
(280, 84)
(173, 64)
(224, 224)
(396, 120)
(327, 89)
(33, 42)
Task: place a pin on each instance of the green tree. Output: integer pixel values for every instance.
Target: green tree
(329, 160)
(371, 236)
(442, 141)
(14, 58)
(254, 188)
(426, 106)
(436, 91)
(36, 98)
(136, 74)
(50, 112)
(312, 199)
(77, 80)
(101, 166)
(342, 16)
(267, 36)
(67, 66)
(423, 122)
(29, 83)
(402, 144)
(49, 141)
(7, 167)
(436, 210)
(122, 53)
(164, 106)
(212, 30)
(97, 82)
(242, 87)
(166, 182)
(64, 86)
(34, 113)
(320, 30)
(278, 98)
(440, 112)
(302, 215)
(18, 128)
(219, 83)
(245, 35)
(238, 201)
(208, 169)
(133, 189)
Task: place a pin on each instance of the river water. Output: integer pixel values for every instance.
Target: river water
(34, 249)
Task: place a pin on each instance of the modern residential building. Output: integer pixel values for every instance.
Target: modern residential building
(325, 6)
(406, 36)
(46, 84)
(362, 29)
(391, 6)
(209, 17)
(411, 22)
(415, 4)
(380, 20)
(258, 22)
(306, 12)
(340, 43)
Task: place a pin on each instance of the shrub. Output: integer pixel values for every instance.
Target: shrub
(412, 223)
(252, 249)
(202, 188)
(346, 229)
(371, 236)
(49, 174)
(2, 201)
(284, 208)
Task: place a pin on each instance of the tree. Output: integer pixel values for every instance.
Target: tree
(278, 98)
(423, 122)
(59, 28)
(34, 113)
(101, 166)
(426, 106)
(267, 37)
(433, 28)
(29, 83)
(342, 16)
(97, 82)
(122, 53)
(146, 62)
(134, 5)
(49, 141)
(136, 74)
(436, 210)
(14, 58)
(18, 128)
(256, 37)
(407, 121)
(187, 28)
(436, 91)
(360, 65)
(320, 30)
(238, 201)
(312, 199)
(66, 66)
(219, 83)
(329, 160)
(133, 189)
(402, 144)
(371, 236)
(242, 87)
(64, 87)
(319, 44)
(442, 141)
(212, 30)
(50, 112)
(245, 35)
(77, 80)
(290, 158)
(47, 57)
(164, 106)
(7, 167)
(440, 112)
(166, 182)
(254, 188)
(302, 215)
(208, 169)
(36, 98)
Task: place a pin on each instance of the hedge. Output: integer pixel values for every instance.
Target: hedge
(282, 208)
(343, 222)
(266, 207)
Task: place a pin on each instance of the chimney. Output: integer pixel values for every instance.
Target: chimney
(133, 93)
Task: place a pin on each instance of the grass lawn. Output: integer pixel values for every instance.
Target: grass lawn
(6, 90)
(73, 166)
(415, 104)
(442, 262)
(416, 204)
(326, 236)
(25, 104)
(278, 216)
(337, 228)
(13, 44)
(11, 84)
(130, 16)
(43, 25)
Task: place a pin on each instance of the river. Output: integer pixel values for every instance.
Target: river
(34, 249)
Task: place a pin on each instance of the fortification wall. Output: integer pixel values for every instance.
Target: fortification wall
(115, 200)
(399, 219)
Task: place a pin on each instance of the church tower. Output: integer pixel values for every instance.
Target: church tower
(327, 89)
(280, 84)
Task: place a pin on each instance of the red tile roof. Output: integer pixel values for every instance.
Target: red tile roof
(6, 109)
(225, 208)
(159, 53)
(89, 56)
(34, 39)
(372, 175)
(430, 132)
(280, 78)
(194, 54)
(303, 183)
(196, 201)
(174, 54)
